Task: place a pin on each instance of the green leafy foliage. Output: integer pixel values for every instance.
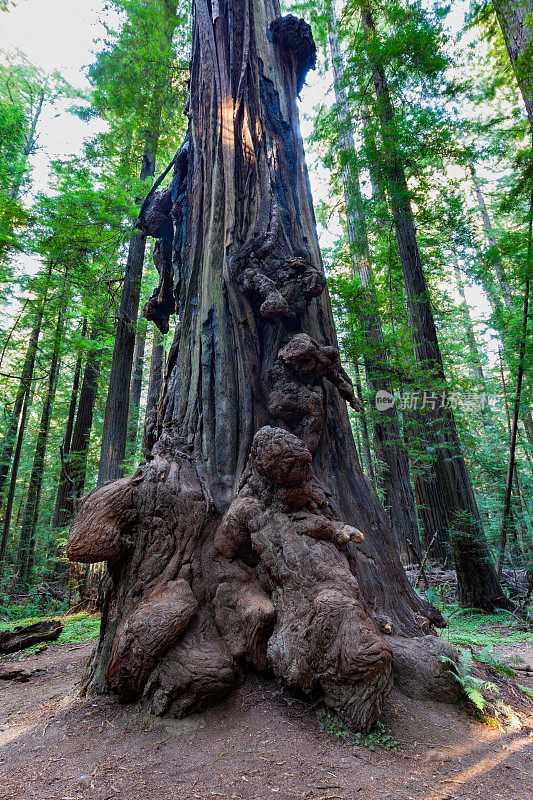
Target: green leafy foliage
(380, 736)
(478, 691)
(465, 627)
(461, 134)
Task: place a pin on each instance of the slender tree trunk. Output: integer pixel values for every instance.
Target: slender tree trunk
(136, 386)
(76, 466)
(12, 331)
(115, 427)
(505, 290)
(516, 21)
(516, 408)
(395, 477)
(508, 419)
(497, 260)
(62, 489)
(23, 389)
(29, 144)
(237, 545)
(31, 509)
(477, 580)
(364, 428)
(8, 511)
(475, 356)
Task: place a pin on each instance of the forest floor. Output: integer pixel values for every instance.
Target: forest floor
(259, 743)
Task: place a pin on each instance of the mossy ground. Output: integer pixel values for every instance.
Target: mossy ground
(469, 627)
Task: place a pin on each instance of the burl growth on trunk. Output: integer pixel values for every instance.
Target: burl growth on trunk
(269, 587)
(228, 550)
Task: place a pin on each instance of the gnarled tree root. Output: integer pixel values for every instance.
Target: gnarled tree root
(196, 600)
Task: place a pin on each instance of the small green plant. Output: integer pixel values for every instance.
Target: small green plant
(476, 689)
(495, 661)
(333, 726)
(380, 736)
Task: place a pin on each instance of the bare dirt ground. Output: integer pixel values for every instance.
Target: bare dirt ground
(258, 744)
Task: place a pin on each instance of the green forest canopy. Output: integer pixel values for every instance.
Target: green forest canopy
(462, 134)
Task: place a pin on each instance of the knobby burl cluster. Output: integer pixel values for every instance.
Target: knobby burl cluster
(279, 592)
(296, 390)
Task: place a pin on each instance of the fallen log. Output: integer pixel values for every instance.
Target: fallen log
(516, 580)
(20, 675)
(27, 635)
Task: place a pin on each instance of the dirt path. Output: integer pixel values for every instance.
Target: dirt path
(259, 744)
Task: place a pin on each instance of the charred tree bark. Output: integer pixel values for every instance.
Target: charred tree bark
(478, 584)
(516, 21)
(239, 543)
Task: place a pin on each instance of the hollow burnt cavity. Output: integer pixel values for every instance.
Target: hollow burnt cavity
(294, 37)
(250, 538)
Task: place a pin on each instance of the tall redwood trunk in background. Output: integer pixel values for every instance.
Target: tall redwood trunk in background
(63, 487)
(155, 382)
(395, 477)
(136, 386)
(75, 466)
(237, 545)
(516, 21)
(115, 428)
(478, 583)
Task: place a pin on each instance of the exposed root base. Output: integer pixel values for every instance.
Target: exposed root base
(194, 601)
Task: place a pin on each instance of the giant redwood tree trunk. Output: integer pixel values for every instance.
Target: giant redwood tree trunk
(239, 543)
